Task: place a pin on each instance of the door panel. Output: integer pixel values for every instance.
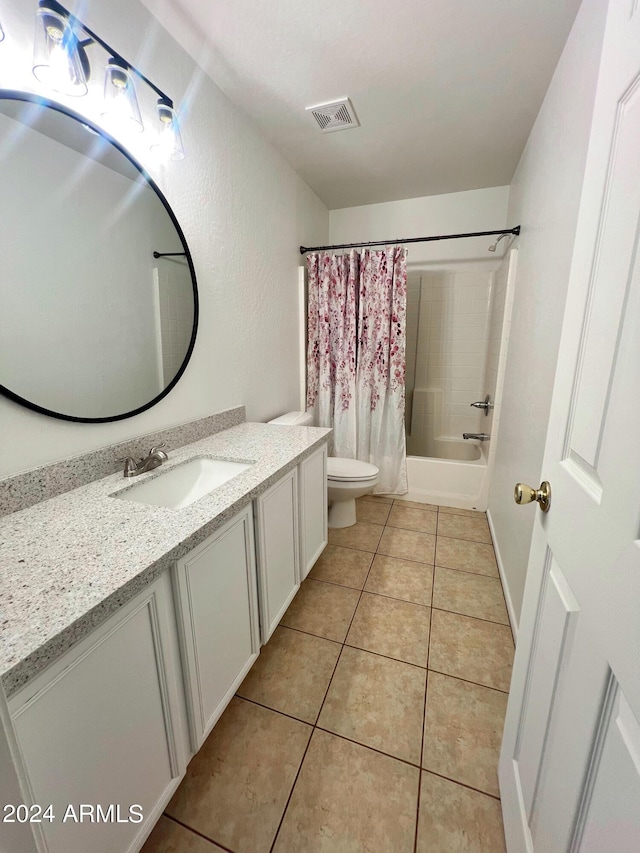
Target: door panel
(609, 282)
(557, 614)
(569, 775)
(612, 788)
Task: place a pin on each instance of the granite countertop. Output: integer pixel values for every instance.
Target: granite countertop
(69, 562)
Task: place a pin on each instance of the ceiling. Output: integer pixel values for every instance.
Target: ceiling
(446, 90)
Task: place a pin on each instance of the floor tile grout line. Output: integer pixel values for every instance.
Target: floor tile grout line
(424, 710)
(358, 648)
(391, 598)
(295, 781)
(373, 592)
(468, 681)
(368, 746)
(386, 657)
(464, 539)
(411, 529)
(394, 598)
(418, 766)
(467, 572)
(418, 603)
(462, 784)
(275, 710)
(196, 832)
(377, 553)
(315, 725)
(471, 616)
(467, 616)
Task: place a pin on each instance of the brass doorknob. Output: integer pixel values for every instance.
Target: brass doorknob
(524, 494)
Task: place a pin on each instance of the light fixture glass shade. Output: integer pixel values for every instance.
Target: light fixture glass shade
(120, 101)
(57, 60)
(1, 32)
(169, 142)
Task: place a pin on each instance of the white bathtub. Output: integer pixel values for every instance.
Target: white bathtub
(455, 482)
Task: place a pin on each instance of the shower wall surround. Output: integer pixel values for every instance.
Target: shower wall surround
(446, 357)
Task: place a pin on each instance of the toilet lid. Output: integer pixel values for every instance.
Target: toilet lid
(350, 469)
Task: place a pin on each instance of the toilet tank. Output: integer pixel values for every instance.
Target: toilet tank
(294, 419)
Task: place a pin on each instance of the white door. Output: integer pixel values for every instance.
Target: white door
(570, 762)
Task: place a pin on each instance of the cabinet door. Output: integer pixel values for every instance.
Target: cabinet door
(102, 726)
(313, 509)
(278, 549)
(218, 620)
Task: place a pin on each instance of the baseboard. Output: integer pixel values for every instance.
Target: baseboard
(505, 586)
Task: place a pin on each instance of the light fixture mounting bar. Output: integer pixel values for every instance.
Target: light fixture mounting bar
(78, 24)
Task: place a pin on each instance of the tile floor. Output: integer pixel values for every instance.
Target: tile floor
(371, 721)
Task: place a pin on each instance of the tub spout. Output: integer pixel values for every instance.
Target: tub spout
(479, 436)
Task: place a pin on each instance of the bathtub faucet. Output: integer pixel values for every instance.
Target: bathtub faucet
(479, 436)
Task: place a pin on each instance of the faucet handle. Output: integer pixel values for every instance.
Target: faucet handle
(130, 465)
(485, 404)
(156, 449)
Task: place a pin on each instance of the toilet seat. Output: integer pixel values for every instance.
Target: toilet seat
(350, 470)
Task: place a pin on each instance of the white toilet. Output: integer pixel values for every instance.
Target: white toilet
(347, 479)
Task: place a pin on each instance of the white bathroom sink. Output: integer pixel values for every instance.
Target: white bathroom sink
(184, 484)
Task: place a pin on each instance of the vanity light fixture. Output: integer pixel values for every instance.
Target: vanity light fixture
(61, 61)
(169, 139)
(120, 101)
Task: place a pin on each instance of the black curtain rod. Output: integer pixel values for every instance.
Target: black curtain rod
(169, 254)
(305, 249)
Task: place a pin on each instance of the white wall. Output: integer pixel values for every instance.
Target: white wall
(452, 213)
(244, 213)
(545, 195)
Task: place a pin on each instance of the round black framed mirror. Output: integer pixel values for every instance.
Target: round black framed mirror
(98, 294)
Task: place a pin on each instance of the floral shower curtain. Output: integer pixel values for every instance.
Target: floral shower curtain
(380, 372)
(331, 351)
(356, 357)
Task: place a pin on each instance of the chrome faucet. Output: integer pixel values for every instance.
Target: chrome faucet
(155, 458)
(485, 404)
(479, 436)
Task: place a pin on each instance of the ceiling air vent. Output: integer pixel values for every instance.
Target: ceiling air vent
(336, 115)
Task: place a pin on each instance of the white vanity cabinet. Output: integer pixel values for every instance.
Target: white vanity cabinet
(277, 549)
(104, 725)
(312, 485)
(217, 610)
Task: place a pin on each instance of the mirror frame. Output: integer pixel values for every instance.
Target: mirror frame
(10, 94)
